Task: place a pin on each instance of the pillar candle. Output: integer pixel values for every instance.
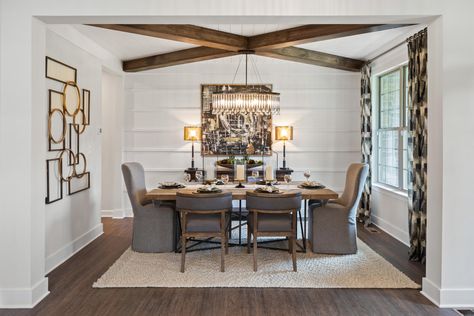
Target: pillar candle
(240, 176)
(268, 172)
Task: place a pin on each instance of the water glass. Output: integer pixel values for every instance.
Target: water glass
(199, 175)
(225, 178)
(287, 179)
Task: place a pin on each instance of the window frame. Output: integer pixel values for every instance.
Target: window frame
(402, 129)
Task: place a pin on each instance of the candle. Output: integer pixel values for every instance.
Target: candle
(268, 173)
(240, 176)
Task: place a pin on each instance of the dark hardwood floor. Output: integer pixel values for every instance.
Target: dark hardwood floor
(72, 293)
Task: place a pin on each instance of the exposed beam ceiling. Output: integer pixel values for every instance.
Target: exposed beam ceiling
(216, 44)
(191, 34)
(313, 33)
(311, 57)
(175, 58)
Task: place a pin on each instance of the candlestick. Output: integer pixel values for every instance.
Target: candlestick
(268, 173)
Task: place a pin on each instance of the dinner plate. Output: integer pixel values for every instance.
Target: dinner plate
(171, 186)
(204, 190)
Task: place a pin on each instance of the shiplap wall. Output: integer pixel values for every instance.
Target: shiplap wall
(322, 104)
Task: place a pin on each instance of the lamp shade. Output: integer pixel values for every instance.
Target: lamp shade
(192, 133)
(283, 132)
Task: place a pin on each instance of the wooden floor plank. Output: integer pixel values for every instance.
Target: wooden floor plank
(72, 293)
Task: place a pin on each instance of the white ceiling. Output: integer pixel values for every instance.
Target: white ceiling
(129, 46)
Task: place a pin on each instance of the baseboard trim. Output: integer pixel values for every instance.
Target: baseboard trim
(390, 229)
(24, 297)
(431, 291)
(63, 254)
(448, 298)
(117, 213)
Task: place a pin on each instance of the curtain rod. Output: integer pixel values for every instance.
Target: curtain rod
(396, 46)
(385, 52)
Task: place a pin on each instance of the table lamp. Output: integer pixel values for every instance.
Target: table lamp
(284, 133)
(192, 134)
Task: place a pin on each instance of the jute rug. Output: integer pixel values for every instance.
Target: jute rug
(366, 269)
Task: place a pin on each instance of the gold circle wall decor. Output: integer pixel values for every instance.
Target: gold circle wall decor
(80, 175)
(76, 125)
(50, 125)
(77, 107)
(60, 165)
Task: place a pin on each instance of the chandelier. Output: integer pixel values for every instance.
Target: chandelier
(246, 99)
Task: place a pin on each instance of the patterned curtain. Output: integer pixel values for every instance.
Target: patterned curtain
(417, 143)
(366, 141)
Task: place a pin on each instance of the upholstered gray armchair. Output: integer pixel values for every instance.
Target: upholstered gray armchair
(153, 224)
(332, 227)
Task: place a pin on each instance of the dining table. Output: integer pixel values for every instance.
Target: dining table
(239, 194)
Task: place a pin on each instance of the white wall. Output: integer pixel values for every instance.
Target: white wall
(112, 134)
(74, 221)
(389, 208)
(322, 104)
(449, 278)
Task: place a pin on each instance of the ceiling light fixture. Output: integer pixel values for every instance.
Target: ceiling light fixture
(251, 99)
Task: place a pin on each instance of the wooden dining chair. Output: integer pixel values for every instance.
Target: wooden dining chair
(204, 215)
(272, 215)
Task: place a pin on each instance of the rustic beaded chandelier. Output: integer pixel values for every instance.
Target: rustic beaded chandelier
(250, 99)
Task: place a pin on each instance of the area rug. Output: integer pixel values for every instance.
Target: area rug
(366, 269)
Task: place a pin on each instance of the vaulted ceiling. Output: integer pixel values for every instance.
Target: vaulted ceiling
(169, 45)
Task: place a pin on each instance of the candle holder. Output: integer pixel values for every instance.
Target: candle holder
(239, 173)
(240, 185)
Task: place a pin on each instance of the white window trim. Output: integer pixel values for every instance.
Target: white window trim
(375, 124)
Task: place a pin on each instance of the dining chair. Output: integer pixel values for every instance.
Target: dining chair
(153, 222)
(332, 227)
(272, 214)
(204, 215)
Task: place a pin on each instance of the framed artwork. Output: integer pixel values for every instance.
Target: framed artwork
(79, 184)
(59, 71)
(234, 134)
(54, 184)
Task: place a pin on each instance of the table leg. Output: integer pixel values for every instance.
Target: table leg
(178, 232)
(240, 222)
(304, 225)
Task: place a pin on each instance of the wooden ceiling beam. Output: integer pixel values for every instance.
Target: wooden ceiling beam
(313, 33)
(185, 56)
(307, 56)
(184, 33)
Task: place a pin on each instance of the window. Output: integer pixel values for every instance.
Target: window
(391, 154)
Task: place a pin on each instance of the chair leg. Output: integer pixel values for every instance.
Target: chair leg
(223, 251)
(254, 253)
(226, 244)
(293, 250)
(248, 239)
(183, 252)
(290, 245)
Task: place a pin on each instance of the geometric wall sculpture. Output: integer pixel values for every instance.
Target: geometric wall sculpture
(68, 118)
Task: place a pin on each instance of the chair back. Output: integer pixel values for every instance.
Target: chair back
(134, 177)
(355, 180)
(273, 202)
(203, 201)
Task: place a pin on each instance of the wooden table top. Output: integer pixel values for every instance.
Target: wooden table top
(239, 193)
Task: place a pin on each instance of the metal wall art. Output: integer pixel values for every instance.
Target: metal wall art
(59, 71)
(236, 133)
(68, 118)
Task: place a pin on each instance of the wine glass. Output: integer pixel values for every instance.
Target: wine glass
(287, 179)
(307, 174)
(199, 175)
(255, 175)
(187, 177)
(225, 178)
